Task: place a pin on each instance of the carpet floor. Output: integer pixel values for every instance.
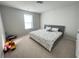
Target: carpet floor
(27, 48)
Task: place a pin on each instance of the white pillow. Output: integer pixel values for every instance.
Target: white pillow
(55, 29)
(48, 28)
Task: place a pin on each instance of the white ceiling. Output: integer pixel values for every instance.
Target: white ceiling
(36, 7)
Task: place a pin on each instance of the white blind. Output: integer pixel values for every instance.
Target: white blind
(28, 20)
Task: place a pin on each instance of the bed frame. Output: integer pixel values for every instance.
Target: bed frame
(61, 28)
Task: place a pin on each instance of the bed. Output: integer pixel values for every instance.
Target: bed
(47, 38)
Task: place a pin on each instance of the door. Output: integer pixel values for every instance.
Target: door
(77, 46)
(2, 37)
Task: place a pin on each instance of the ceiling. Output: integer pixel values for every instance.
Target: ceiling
(37, 7)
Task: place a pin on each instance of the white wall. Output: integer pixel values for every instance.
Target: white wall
(13, 20)
(2, 36)
(64, 16)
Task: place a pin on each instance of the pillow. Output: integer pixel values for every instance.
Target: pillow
(55, 29)
(48, 28)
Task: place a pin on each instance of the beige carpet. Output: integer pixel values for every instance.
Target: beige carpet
(27, 48)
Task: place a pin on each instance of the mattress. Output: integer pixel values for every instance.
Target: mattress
(45, 38)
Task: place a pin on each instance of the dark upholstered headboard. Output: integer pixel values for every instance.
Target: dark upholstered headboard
(61, 28)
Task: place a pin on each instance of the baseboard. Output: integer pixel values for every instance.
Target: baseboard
(70, 38)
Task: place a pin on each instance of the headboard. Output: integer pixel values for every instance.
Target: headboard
(61, 28)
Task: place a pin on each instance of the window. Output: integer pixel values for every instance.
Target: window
(28, 20)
